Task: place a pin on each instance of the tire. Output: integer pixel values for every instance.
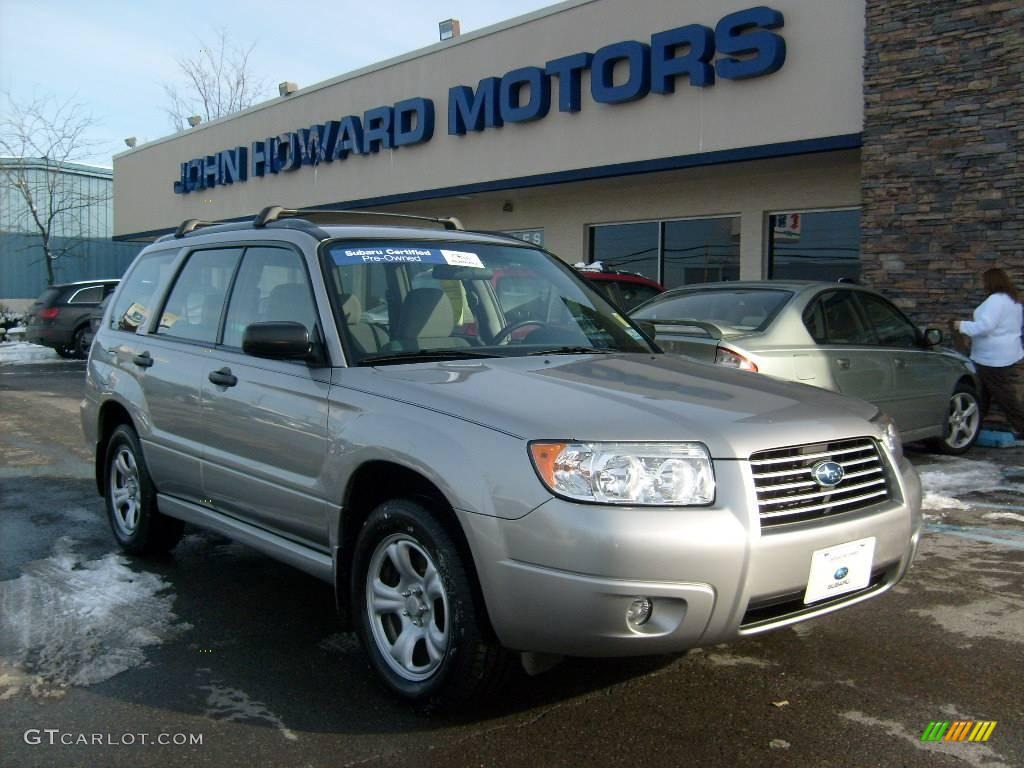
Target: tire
(65, 352)
(79, 345)
(130, 499)
(962, 424)
(424, 589)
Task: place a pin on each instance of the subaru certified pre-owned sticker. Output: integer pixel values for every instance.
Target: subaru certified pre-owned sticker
(405, 255)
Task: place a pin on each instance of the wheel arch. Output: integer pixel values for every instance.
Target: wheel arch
(379, 480)
(111, 415)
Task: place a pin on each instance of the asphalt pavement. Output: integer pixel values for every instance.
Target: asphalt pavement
(234, 659)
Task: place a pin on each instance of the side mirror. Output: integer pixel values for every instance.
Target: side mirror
(647, 326)
(280, 341)
(932, 337)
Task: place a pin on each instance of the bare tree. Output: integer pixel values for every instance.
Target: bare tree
(219, 81)
(42, 138)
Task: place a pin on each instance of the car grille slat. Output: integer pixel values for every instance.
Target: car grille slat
(789, 493)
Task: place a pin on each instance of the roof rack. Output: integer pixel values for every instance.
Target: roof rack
(276, 212)
(189, 225)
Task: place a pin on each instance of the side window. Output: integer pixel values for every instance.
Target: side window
(635, 294)
(272, 286)
(892, 328)
(139, 290)
(92, 295)
(839, 321)
(194, 307)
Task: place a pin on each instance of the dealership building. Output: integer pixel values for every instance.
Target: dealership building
(685, 140)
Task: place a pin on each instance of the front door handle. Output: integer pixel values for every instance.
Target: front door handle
(843, 362)
(899, 362)
(223, 377)
(143, 361)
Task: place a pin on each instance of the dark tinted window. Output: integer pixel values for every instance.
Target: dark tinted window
(635, 294)
(701, 251)
(91, 295)
(627, 247)
(48, 297)
(272, 286)
(748, 310)
(194, 307)
(139, 290)
(891, 327)
(834, 318)
(816, 245)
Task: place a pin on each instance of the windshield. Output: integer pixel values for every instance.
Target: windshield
(737, 308)
(404, 300)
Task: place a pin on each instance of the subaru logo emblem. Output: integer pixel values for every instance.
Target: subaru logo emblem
(841, 573)
(828, 474)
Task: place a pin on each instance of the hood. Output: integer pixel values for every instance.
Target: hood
(636, 397)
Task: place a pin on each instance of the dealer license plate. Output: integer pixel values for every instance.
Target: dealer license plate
(840, 569)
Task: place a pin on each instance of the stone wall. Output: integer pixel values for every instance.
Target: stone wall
(942, 161)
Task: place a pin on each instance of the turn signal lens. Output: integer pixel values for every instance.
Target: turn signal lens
(730, 359)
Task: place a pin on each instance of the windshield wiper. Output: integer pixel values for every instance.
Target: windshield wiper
(425, 355)
(569, 350)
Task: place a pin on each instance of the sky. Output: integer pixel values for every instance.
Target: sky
(114, 57)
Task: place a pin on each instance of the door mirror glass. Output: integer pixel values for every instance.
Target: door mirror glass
(278, 340)
(932, 337)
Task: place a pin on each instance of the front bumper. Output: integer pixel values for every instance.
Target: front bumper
(561, 579)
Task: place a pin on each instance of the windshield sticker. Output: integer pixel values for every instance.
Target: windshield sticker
(398, 255)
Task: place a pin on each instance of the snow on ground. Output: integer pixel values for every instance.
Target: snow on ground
(70, 621)
(23, 352)
(945, 483)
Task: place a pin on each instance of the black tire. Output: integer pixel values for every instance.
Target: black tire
(65, 352)
(79, 345)
(143, 531)
(959, 433)
(470, 665)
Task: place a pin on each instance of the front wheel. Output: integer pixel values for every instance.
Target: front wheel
(80, 343)
(962, 425)
(130, 499)
(415, 611)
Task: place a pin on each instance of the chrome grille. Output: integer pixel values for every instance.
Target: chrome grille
(787, 491)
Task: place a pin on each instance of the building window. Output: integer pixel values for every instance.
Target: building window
(675, 252)
(701, 251)
(627, 247)
(814, 245)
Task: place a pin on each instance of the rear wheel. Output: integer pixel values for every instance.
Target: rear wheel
(415, 611)
(80, 343)
(130, 498)
(66, 352)
(962, 425)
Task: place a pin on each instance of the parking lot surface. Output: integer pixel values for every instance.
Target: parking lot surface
(231, 657)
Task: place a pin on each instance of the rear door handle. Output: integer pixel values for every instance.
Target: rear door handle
(223, 377)
(143, 361)
(843, 362)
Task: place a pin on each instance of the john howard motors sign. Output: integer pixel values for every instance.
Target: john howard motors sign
(742, 45)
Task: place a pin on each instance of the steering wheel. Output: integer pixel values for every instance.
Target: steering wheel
(511, 328)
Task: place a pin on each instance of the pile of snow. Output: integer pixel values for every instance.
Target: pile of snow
(68, 621)
(23, 352)
(944, 485)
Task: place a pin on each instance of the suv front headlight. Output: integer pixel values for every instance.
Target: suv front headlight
(890, 435)
(626, 473)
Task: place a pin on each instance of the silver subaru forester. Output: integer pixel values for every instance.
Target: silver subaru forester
(479, 452)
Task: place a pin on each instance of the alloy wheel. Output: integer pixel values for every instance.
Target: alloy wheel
(964, 420)
(125, 491)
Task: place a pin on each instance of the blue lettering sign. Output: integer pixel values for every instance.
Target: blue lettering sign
(350, 138)
(474, 112)
(568, 70)
(666, 66)
(742, 34)
(414, 121)
(619, 73)
(512, 84)
(602, 72)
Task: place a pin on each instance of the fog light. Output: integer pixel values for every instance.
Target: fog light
(639, 612)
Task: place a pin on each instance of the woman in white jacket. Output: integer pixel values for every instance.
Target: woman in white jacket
(996, 345)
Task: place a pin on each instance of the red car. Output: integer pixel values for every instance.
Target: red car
(623, 289)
